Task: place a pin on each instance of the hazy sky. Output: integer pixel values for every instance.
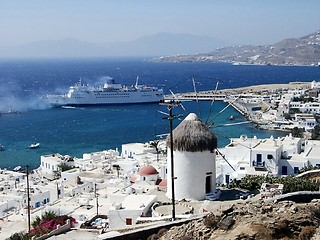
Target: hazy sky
(234, 21)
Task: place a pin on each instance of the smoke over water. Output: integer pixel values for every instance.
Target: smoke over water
(20, 104)
(13, 98)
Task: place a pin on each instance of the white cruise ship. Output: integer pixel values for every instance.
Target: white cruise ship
(108, 93)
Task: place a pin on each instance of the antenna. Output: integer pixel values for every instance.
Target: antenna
(137, 80)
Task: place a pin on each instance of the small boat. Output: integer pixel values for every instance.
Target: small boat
(34, 145)
(1, 148)
(17, 168)
(231, 117)
(11, 111)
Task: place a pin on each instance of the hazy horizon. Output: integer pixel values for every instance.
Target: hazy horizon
(108, 21)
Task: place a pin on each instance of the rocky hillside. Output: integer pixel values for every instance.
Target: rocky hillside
(253, 220)
(304, 51)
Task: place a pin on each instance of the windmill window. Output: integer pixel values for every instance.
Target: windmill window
(128, 221)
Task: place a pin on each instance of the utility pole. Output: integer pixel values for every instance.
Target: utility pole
(28, 196)
(170, 105)
(97, 204)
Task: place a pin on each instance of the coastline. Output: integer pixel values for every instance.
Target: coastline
(266, 87)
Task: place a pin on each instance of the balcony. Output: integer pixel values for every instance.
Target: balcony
(259, 165)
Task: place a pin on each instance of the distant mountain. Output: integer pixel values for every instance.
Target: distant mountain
(155, 45)
(295, 51)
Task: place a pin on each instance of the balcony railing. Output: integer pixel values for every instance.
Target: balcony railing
(259, 165)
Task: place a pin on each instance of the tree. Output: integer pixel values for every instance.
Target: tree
(155, 144)
(294, 110)
(290, 183)
(19, 236)
(287, 116)
(297, 132)
(315, 133)
(61, 168)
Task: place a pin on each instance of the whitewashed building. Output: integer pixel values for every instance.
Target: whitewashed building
(275, 157)
(315, 84)
(50, 163)
(125, 214)
(132, 150)
(305, 121)
(148, 174)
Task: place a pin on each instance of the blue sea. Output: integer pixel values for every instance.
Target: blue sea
(74, 131)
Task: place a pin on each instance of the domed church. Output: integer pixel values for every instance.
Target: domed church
(194, 160)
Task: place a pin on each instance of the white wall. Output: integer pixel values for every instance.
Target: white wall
(291, 165)
(79, 189)
(70, 176)
(39, 197)
(270, 164)
(190, 170)
(117, 218)
(9, 203)
(49, 164)
(130, 209)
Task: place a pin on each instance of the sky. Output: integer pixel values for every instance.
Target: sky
(103, 21)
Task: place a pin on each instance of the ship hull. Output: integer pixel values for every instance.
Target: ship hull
(105, 98)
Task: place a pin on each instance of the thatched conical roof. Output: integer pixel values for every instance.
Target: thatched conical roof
(192, 135)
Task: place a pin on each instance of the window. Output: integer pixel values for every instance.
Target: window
(128, 221)
(284, 170)
(227, 179)
(295, 170)
(242, 168)
(259, 158)
(269, 156)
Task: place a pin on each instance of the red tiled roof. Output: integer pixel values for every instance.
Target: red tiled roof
(148, 170)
